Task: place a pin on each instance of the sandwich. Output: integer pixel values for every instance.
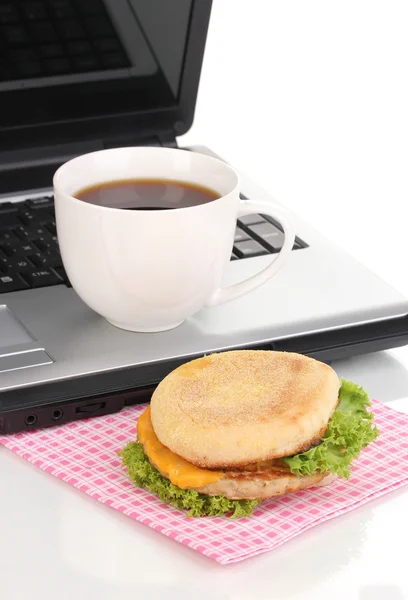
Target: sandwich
(224, 432)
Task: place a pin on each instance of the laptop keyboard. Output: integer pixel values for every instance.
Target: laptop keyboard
(30, 257)
(29, 253)
(56, 37)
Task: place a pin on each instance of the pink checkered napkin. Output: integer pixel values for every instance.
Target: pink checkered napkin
(84, 455)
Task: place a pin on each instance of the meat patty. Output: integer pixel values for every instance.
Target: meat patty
(251, 486)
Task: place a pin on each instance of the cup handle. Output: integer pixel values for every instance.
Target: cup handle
(248, 207)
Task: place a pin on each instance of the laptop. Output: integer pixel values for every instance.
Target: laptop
(78, 76)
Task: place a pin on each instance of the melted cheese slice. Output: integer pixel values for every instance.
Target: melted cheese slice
(179, 471)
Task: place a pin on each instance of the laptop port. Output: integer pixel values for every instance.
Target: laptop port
(89, 409)
(57, 414)
(31, 420)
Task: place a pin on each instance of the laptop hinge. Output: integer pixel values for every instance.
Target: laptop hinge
(168, 141)
(165, 140)
(59, 153)
(33, 168)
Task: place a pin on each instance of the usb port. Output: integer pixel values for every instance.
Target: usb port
(90, 409)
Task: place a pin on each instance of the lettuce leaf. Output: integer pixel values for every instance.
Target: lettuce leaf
(349, 431)
(144, 475)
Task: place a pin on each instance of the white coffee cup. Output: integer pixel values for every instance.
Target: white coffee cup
(150, 270)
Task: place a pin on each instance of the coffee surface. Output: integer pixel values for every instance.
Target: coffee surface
(147, 194)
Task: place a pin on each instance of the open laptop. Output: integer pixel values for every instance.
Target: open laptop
(78, 76)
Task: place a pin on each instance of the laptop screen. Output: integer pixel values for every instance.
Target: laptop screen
(75, 60)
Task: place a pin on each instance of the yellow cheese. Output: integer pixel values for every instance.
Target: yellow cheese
(179, 471)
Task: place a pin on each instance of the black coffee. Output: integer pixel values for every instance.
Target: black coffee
(147, 194)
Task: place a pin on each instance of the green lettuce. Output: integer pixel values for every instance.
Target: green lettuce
(350, 429)
(144, 475)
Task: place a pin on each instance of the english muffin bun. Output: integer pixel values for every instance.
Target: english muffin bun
(232, 409)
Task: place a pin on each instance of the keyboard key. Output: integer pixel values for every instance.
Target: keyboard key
(57, 66)
(7, 236)
(51, 227)
(41, 216)
(29, 69)
(114, 60)
(61, 273)
(19, 55)
(47, 244)
(264, 229)
(71, 30)
(6, 70)
(85, 63)
(51, 259)
(8, 13)
(79, 47)
(27, 249)
(62, 8)
(234, 256)
(50, 51)
(249, 248)
(276, 241)
(42, 278)
(12, 283)
(22, 233)
(251, 219)
(45, 201)
(9, 207)
(271, 234)
(240, 235)
(43, 32)
(41, 244)
(34, 11)
(9, 219)
(15, 35)
(90, 7)
(27, 217)
(108, 44)
(16, 264)
(38, 259)
(9, 248)
(26, 233)
(4, 265)
(99, 26)
(40, 231)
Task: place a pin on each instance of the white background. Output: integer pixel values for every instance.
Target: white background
(310, 98)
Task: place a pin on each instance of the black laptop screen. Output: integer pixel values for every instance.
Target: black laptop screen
(73, 60)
